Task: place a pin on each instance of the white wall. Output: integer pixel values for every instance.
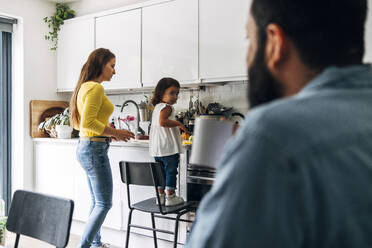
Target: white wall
(229, 95)
(38, 80)
(84, 7)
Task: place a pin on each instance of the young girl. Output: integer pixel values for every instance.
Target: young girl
(165, 140)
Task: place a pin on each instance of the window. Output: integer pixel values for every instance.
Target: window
(6, 26)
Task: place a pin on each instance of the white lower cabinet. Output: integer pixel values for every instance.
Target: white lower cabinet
(53, 169)
(57, 172)
(82, 195)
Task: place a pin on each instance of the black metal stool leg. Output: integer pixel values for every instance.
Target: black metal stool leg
(176, 230)
(16, 241)
(154, 232)
(128, 227)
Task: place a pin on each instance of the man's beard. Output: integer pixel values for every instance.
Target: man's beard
(262, 86)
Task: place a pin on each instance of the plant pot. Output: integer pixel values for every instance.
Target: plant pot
(2, 230)
(64, 131)
(3, 237)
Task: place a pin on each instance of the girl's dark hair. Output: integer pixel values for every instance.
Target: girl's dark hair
(162, 85)
(325, 32)
(92, 69)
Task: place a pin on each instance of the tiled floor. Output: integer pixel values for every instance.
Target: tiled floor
(26, 242)
(136, 241)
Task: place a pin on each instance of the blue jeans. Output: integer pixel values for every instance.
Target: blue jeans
(92, 156)
(170, 166)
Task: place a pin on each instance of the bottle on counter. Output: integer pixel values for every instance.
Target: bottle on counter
(112, 123)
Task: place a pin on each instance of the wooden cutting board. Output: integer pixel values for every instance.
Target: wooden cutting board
(41, 109)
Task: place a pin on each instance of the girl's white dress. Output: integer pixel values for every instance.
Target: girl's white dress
(164, 141)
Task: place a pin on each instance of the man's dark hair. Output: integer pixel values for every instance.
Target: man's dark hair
(325, 32)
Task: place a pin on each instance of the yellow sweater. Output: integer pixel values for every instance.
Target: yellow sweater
(94, 109)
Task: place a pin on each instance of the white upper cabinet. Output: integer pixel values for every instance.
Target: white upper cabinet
(192, 41)
(170, 42)
(75, 43)
(222, 43)
(121, 33)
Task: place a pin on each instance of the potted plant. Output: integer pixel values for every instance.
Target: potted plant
(63, 12)
(64, 131)
(58, 126)
(2, 229)
(129, 123)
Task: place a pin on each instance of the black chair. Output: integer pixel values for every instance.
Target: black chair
(40, 216)
(150, 174)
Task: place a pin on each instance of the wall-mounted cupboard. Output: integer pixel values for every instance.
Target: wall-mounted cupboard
(222, 42)
(121, 33)
(193, 41)
(170, 42)
(75, 43)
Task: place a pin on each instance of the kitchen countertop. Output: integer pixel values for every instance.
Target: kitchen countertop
(131, 143)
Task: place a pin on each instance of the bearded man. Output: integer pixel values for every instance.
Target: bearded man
(298, 173)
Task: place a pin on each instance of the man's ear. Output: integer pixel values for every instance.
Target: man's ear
(276, 45)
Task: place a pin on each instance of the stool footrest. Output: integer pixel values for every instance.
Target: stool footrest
(172, 218)
(151, 229)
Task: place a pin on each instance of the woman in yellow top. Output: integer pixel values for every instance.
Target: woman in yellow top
(90, 112)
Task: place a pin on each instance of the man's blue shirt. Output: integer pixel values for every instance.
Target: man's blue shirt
(299, 171)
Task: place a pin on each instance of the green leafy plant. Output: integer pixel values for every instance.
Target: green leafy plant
(2, 228)
(49, 124)
(63, 12)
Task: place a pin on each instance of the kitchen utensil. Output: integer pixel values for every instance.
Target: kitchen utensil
(191, 125)
(144, 115)
(202, 109)
(234, 117)
(144, 111)
(237, 118)
(145, 125)
(190, 102)
(210, 137)
(217, 109)
(197, 106)
(181, 117)
(211, 117)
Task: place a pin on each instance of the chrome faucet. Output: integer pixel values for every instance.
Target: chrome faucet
(140, 130)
